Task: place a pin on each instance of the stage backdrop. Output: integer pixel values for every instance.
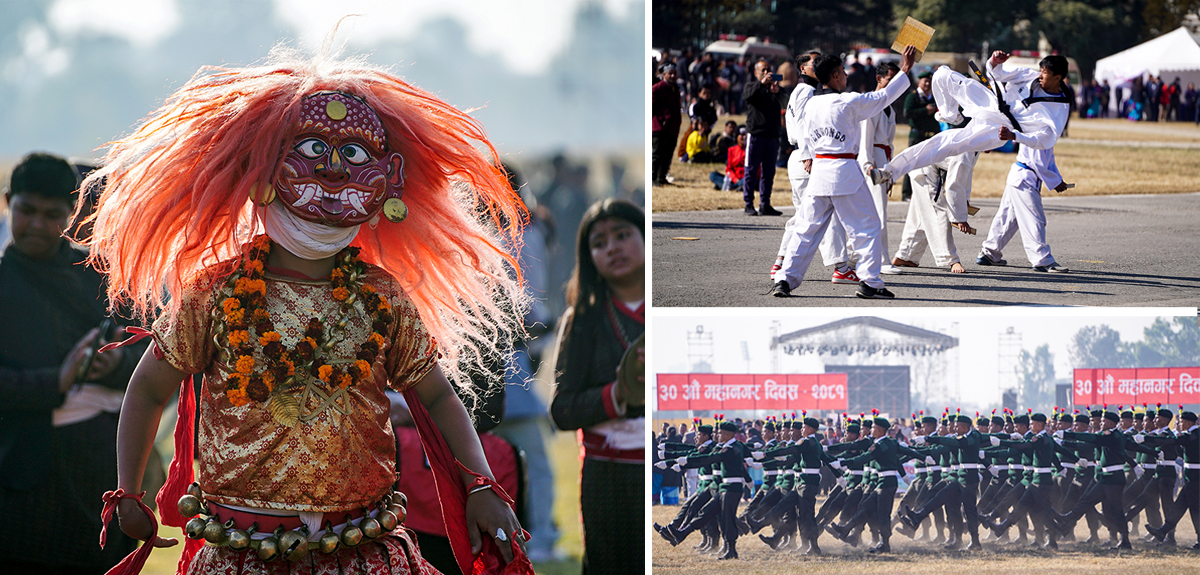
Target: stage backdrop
(779, 392)
(1135, 386)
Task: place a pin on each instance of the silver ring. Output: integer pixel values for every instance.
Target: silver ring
(500, 534)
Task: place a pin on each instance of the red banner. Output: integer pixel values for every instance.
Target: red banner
(1135, 386)
(774, 392)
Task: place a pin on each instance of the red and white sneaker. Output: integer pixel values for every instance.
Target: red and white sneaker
(775, 268)
(848, 277)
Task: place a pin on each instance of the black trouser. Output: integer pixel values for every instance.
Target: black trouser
(1035, 504)
(1146, 498)
(833, 504)
(729, 504)
(765, 505)
(1109, 495)
(956, 498)
(757, 500)
(854, 498)
(690, 507)
(707, 513)
(806, 511)
(784, 508)
(1188, 502)
(662, 144)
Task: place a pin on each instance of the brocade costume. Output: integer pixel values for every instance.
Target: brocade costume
(338, 458)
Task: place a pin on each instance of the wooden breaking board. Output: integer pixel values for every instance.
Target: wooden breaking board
(916, 33)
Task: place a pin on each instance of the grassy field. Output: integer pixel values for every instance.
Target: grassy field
(1102, 157)
(564, 458)
(914, 558)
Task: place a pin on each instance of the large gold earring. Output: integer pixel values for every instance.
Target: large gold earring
(395, 210)
(262, 194)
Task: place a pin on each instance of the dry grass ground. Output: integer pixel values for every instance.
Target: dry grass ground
(914, 558)
(1101, 157)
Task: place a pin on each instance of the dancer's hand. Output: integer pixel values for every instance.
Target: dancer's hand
(486, 515)
(908, 58)
(999, 57)
(1007, 134)
(136, 524)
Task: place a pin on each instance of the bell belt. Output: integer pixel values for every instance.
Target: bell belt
(267, 523)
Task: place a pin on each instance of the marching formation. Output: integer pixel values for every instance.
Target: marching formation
(971, 479)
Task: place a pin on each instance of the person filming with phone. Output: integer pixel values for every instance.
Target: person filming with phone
(58, 420)
(764, 116)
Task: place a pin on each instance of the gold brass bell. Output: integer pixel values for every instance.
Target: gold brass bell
(370, 527)
(214, 532)
(239, 540)
(329, 542)
(387, 519)
(268, 549)
(189, 505)
(395, 210)
(402, 497)
(351, 535)
(195, 528)
(194, 490)
(294, 544)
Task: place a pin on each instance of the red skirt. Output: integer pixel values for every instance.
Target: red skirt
(392, 554)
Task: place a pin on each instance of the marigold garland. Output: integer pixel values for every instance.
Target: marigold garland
(246, 309)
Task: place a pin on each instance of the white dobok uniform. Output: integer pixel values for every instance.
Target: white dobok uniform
(875, 148)
(801, 94)
(928, 222)
(1041, 122)
(831, 126)
(1021, 206)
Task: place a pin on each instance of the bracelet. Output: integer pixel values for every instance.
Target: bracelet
(478, 488)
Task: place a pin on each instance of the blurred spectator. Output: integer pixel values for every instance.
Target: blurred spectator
(664, 123)
(735, 166)
(58, 423)
(869, 68)
(763, 117)
(1104, 92)
(720, 142)
(1189, 104)
(601, 386)
(1172, 97)
(1153, 90)
(698, 151)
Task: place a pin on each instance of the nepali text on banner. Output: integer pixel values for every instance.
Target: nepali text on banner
(775, 392)
(1135, 386)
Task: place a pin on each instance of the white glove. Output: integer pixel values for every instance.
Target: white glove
(661, 465)
(681, 461)
(1017, 437)
(918, 440)
(756, 465)
(842, 481)
(1058, 441)
(662, 453)
(929, 460)
(992, 470)
(1081, 463)
(1139, 438)
(758, 454)
(781, 458)
(1058, 434)
(995, 441)
(1138, 471)
(836, 464)
(676, 467)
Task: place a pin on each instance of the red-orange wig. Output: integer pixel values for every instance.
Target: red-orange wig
(177, 196)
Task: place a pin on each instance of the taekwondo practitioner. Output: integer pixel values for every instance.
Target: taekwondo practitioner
(837, 183)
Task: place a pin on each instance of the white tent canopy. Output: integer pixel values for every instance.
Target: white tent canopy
(1175, 54)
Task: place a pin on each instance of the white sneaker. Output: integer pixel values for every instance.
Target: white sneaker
(890, 269)
(957, 118)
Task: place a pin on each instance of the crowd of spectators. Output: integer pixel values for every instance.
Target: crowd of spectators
(1150, 100)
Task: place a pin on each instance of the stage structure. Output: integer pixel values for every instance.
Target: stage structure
(891, 366)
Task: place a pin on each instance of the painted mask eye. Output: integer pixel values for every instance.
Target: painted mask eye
(311, 148)
(355, 154)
